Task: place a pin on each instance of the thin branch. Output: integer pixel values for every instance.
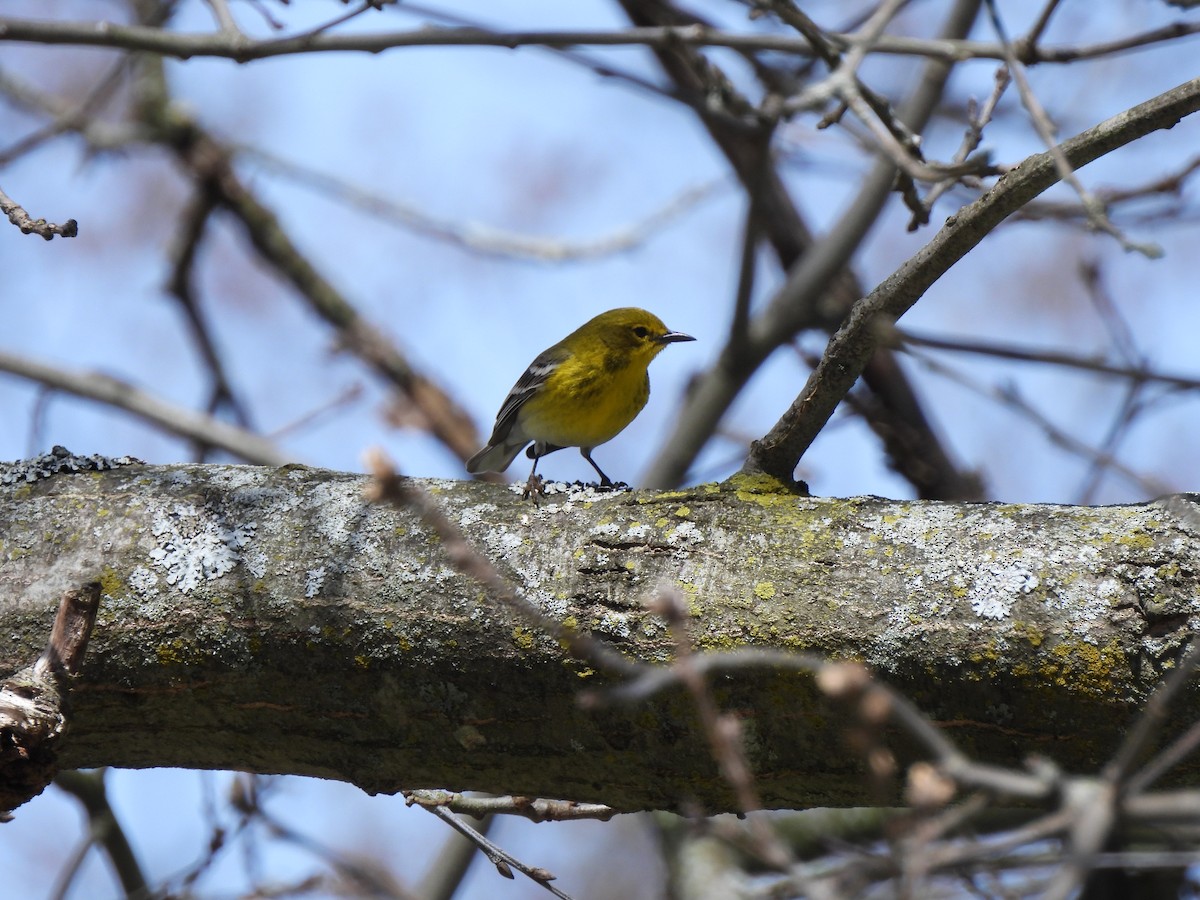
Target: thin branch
(180, 45)
(504, 861)
(977, 120)
(1097, 215)
(1140, 374)
(104, 827)
(344, 398)
(476, 237)
(180, 285)
(534, 809)
(820, 289)
(1009, 396)
(28, 225)
(178, 420)
(848, 351)
(68, 117)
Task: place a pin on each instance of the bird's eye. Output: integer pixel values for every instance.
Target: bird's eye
(641, 331)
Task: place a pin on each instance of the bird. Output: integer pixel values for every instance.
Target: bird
(581, 392)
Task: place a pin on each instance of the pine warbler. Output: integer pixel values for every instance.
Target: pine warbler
(579, 393)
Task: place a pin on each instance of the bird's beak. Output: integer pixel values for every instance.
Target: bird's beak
(672, 336)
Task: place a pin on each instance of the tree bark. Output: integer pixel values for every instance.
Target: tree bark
(271, 620)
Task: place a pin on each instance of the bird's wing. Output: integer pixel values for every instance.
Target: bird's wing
(527, 385)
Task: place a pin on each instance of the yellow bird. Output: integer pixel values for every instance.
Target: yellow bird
(581, 392)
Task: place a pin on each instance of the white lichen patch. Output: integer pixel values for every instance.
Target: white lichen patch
(256, 563)
(142, 580)
(605, 530)
(195, 544)
(997, 588)
(473, 515)
(314, 580)
(177, 477)
(502, 543)
(614, 624)
(638, 532)
(685, 534)
(556, 607)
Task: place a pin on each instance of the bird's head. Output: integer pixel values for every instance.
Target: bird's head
(634, 330)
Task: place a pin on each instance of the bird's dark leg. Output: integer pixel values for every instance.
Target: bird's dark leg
(533, 487)
(605, 481)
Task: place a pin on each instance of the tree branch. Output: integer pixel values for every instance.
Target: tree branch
(273, 620)
(181, 45)
(848, 351)
(28, 225)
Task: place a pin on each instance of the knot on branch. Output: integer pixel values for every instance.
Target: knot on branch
(33, 702)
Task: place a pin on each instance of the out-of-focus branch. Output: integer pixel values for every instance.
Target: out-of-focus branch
(178, 420)
(1136, 373)
(181, 286)
(1100, 458)
(211, 161)
(450, 866)
(820, 290)
(483, 239)
(104, 828)
(848, 351)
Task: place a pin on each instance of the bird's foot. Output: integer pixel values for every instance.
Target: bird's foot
(535, 487)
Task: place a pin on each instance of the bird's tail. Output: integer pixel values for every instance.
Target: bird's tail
(495, 457)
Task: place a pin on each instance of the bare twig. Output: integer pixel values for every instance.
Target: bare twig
(1097, 215)
(28, 225)
(180, 285)
(504, 861)
(476, 237)
(1009, 396)
(977, 120)
(534, 809)
(1136, 373)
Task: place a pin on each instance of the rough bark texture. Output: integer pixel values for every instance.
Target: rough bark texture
(270, 620)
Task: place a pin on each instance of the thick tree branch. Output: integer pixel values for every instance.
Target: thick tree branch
(273, 620)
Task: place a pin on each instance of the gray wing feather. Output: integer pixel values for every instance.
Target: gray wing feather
(527, 385)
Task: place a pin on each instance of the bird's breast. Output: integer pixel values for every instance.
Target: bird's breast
(584, 406)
